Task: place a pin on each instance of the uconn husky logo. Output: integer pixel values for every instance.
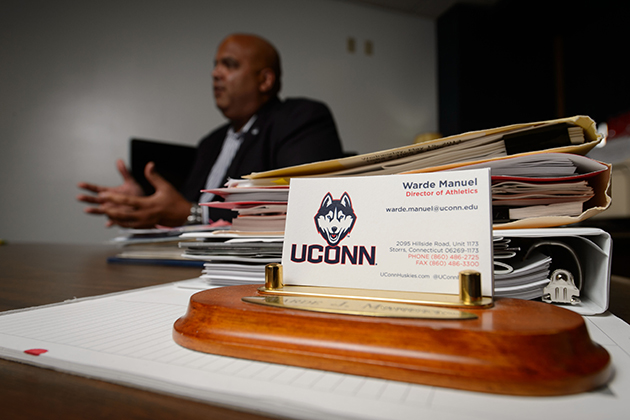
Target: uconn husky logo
(334, 221)
(335, 218)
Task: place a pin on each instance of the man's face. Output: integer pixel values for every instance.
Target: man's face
(236, 80)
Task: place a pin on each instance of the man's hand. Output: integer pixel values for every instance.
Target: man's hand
(165, 207)
(128, 187)
(125, 206)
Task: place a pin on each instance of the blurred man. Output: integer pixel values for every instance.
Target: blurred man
(263, 133)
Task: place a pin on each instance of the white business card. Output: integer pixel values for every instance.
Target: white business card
(411, 232)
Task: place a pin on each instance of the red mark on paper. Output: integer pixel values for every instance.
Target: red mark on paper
(35, 352)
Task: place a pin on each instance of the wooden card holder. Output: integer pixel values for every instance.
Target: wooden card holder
(516, 347)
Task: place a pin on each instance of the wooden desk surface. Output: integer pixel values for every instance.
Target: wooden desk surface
(38, 274)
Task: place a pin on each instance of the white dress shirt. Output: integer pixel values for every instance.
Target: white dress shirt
(232, 143)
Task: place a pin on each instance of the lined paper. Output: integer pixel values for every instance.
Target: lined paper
(127, 338)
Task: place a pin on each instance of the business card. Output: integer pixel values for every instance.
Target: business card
(411, 232)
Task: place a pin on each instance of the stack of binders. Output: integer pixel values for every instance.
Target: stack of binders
(541, 180)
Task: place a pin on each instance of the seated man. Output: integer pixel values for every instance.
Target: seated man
(263, 133)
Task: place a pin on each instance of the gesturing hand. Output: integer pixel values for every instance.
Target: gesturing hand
(129, 187)
(165, 207)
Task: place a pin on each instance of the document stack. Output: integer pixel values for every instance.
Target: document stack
(518, 277)
(239, 256)
(259, 209)
(541, 180)
(232, 257)
(158, 245)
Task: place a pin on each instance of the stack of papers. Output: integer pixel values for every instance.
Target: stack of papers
(260, 209)
(239, 256)
(552, 136)
(513, 200)
(540, 152)
(524, 279)
(159, 245)
(541, 165)
(523, 187)
(541, 185)
(231, 257)
(474, 147)
(157, 235)
(232, 274)
(515, 193)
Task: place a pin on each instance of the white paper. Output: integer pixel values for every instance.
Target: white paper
(126, 338)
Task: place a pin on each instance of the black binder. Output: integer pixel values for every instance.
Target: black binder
(172, 161)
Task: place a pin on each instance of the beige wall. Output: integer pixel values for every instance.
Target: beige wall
(78, 79)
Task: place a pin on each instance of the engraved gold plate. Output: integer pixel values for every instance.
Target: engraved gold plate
(360, 307)
(469, 292)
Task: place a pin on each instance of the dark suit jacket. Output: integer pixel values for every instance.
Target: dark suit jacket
(285, 133)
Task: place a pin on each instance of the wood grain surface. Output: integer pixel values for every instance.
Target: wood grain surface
(517, 347)
(34, 274)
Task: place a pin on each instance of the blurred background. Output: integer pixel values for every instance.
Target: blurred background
(79, 79)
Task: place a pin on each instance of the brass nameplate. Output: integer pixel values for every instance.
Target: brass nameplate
(360, 307)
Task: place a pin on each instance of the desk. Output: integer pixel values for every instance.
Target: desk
(38, 274)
